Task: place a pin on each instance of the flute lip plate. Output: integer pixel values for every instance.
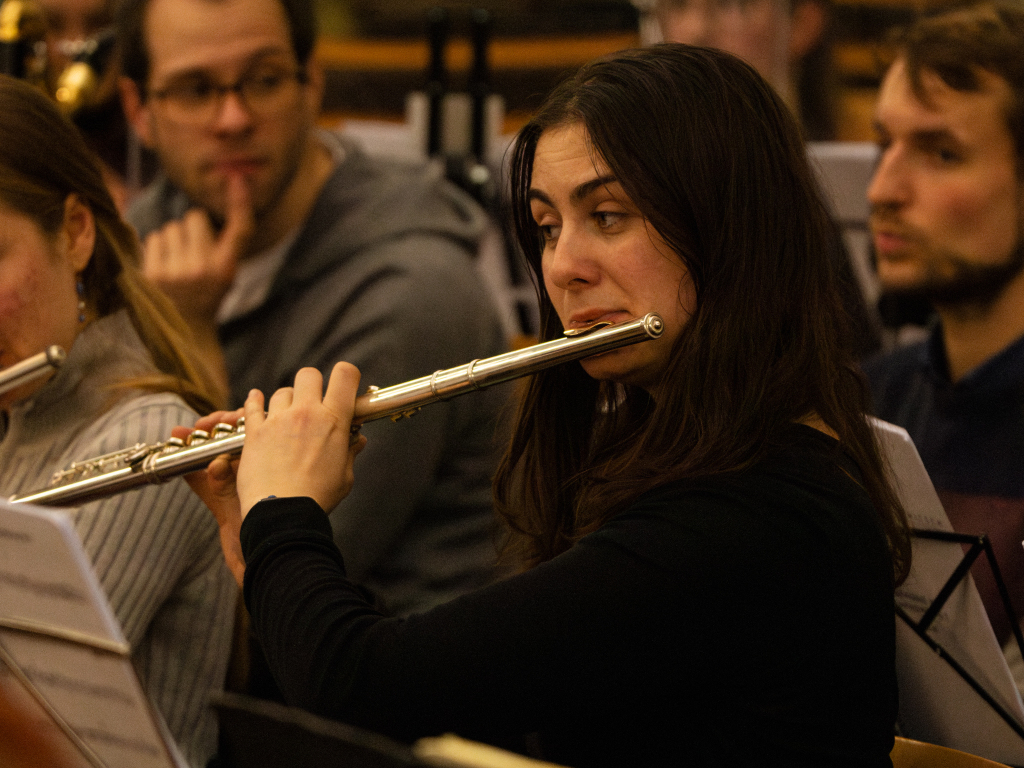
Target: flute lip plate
(583, 331)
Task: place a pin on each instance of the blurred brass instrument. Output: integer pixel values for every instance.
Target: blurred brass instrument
(147, 464)
(23, 41)
(24, 54)
(79, 84)
(31, 368)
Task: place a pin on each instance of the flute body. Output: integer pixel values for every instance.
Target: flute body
(147, 464)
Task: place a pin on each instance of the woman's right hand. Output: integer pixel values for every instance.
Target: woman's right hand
(216, 487)
(302, 445)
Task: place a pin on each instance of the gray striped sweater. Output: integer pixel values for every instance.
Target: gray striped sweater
(155, 551)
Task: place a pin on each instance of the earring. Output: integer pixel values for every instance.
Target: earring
(80, 288)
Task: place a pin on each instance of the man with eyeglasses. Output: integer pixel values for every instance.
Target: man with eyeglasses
(285, 246)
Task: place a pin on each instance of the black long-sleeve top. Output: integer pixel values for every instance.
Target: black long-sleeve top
(740, 620)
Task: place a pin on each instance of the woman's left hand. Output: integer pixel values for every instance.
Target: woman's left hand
(302, 445)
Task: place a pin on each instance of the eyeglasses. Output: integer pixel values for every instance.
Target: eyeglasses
(197, 100)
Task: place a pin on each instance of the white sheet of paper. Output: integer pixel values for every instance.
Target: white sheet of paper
(59, 635)
(46, 577)
(936, 704)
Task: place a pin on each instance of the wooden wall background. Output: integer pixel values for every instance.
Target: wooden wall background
(375, 51)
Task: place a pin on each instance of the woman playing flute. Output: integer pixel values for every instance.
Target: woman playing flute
(68, 277)
(707, 538)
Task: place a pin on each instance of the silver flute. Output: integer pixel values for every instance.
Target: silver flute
(144, 464)
(31, 368)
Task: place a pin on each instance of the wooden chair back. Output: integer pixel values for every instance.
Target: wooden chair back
(908, 753)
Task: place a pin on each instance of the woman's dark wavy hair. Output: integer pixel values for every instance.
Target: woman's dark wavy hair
(713, 159)
(43, 160)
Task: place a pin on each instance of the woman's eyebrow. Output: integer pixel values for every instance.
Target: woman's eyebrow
(588, 187)
(536, 194)
(579, 193)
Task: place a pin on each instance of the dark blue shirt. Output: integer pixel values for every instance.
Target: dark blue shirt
(970, 435)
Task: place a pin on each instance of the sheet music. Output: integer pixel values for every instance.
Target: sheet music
(41, 576)
(936, 704)
(64, 662)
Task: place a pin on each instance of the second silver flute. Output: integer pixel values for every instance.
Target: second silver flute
(31, 368)
(146, 464)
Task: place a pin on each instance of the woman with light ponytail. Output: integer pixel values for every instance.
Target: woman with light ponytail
(68, 277)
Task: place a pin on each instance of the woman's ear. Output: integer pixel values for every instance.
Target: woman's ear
(78, 232)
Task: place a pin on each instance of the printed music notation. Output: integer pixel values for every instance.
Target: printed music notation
(936, 704)
(69, 695)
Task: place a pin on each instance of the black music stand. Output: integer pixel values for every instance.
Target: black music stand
(977, 545)
(255, 733)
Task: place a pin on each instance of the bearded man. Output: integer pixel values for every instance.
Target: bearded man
(947, 203)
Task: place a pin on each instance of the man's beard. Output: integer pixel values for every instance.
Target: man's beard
(964, 283)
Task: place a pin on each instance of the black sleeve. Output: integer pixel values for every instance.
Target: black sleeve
(508, 657)
(724, 615)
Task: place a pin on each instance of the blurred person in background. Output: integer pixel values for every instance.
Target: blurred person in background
(80, 33)
(284, 245)
(947, 218)
(787, 41)
(71, 26)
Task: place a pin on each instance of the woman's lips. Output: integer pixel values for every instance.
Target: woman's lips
(581, 320)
